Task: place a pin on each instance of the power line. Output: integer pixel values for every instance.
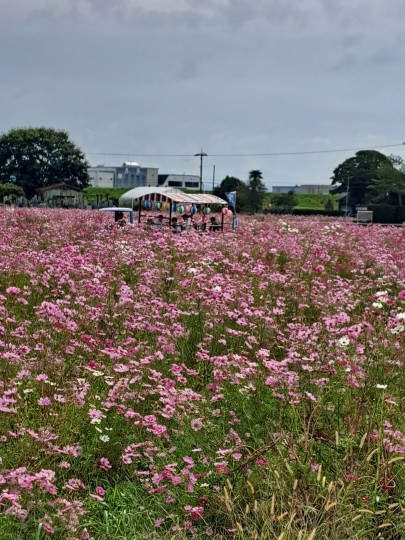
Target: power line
(135, 154)
(264, 154)
(307, 151)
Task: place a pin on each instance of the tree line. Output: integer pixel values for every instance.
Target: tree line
(31, 158)
(249, 195)
(370, 177)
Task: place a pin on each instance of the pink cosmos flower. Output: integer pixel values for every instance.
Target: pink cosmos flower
(13, 290)
(189, 461)
(44, 402)
(195, 512)
(47, 527)
(74, 484)
(104, 464)
(196, 424)
(95, 414)
(222, 467)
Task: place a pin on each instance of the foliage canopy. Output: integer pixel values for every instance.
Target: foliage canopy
(8, 188)
(388, 185)
(355, 175)
(38, 157)
(249, 196)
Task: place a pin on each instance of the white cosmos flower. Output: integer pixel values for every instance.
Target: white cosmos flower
(381, 386)
(377, 305)
(104, 438)
(344, 341)
(398, 329)
(381, 293)
(401, 316)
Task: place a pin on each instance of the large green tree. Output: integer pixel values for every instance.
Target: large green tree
(9, 188)
(355, 175)
(389, 182)
(231, 183)
(257, 189)
(38, 157)
(284, 202)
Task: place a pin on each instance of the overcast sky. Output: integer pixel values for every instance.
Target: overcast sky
(160, 77)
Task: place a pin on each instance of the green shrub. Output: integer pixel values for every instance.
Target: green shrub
(401, 214)
(384, 213)
(315, 212)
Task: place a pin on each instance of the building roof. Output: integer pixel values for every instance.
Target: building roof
(59, 185)
(196, 198)
(138, 192)
(173, 194)
(162, 179)
(115, 209)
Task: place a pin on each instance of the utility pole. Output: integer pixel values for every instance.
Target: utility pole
(347, 195)
(213, 179)
(201, 155)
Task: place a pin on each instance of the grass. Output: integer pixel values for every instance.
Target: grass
(317, 202)
(104, 193)
(308, 470)
(309, 201)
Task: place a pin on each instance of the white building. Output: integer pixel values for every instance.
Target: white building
(314, 189)
(130, 174)
(304, 189)
(181, 181)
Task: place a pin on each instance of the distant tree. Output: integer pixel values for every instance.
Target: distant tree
(284, 202)
(229, 184)
(356, 174)
(38, 157)
(257, 190)
(9, 188)
(389, 182)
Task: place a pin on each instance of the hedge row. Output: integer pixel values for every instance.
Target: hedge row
(386, 213)
(382, 213)
(315, 212)
(306, 212)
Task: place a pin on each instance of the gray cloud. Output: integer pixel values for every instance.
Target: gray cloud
(233, 76)
(303, 16)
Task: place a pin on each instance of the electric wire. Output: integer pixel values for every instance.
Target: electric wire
(263, 154)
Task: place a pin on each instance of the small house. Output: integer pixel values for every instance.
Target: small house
(61, 195)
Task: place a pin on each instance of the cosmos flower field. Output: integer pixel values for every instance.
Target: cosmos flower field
(248, 384)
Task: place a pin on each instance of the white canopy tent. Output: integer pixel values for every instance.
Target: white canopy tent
(170, 195)
(132, 196)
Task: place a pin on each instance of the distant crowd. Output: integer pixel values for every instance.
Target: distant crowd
(175, 225)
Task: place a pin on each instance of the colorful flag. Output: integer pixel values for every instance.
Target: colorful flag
(231, 197)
